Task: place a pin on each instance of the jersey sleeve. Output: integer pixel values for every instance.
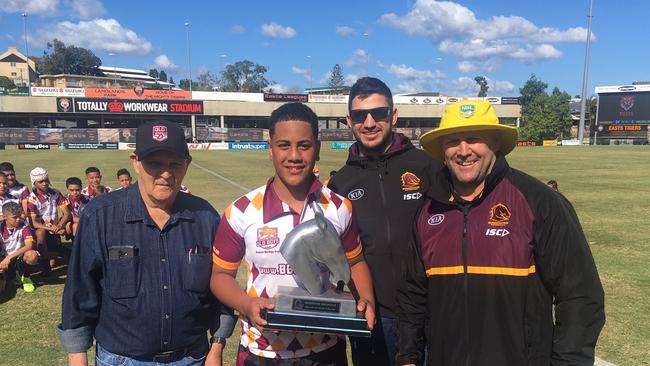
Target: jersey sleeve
(229, 246)
(350, 237)
(28, 239)
(60, 200)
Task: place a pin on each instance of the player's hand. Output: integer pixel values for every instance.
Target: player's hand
(368, 309)
(4, 264)
(254, 307)
(215, 355)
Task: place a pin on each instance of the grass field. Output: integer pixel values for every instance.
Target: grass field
(609, 187)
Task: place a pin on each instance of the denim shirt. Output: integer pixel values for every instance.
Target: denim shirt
(153, 301)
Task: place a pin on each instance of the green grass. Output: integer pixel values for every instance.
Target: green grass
(609, 187)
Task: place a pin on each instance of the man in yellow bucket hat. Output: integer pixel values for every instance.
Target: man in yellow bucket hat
(494, 252)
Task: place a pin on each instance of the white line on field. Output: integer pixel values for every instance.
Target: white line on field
(601, 362)
(222, 177)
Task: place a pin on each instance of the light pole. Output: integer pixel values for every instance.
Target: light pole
(585, 78)
(311, 75)
(189, 59)
(365, 37)
(24, 15)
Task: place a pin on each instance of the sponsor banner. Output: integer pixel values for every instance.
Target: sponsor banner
(33, 147)
(509, 100)
(405, 99)
(493, 100)
(134, 106)
(244, 134)
(89, 146)
(80, 135)
(16, 136)
(216, 146)
(624, 108)
(570, 142)
(64, 105)
(138, 92)
(623, 131)
(336, 134)
(622, 88)
(526, 143)
(211, 134)
(228, 96)
(127, 134)
(39, 91)
(341, 145)
(549, 143)
(284, 97)
(50, 135)
(126, 146)
(248, 146)
(326, 98)
(108, 134)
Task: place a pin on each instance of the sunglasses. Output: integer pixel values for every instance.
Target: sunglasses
(378, 114)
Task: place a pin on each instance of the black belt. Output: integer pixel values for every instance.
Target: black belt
(175, 355)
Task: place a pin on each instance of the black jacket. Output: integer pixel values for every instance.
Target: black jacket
(481, 278)
(386, 194)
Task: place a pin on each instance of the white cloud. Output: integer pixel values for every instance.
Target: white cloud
(466, 66)
(408, 72)
(237, 28)
(278, 88)
(465, 86)
(164, 63)
(457, 30)
(350, 79)
(300, 71)
(412, 79)
(31, 7)
(275, 30)
(344, 30)
(359, 58)
(98, 34)
(87, 9)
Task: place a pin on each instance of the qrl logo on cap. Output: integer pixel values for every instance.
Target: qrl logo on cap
(159, 133)
(467, 110)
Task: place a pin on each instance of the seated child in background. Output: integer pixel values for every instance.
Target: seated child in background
(94, 179)
(42, 206)
(5, 196)
(123, 178)
(76, 202)
(16, 252)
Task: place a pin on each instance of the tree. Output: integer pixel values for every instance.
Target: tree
(171, 80)
(531, 89)
(546, 116)
(185, 84)
(6, 83)
(154, 73)
(483, 84)
(335, 80)
(62, 59)
(205, 82)
(244, 76)
(162, 76)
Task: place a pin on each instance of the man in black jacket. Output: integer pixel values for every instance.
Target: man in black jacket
(493, 253)
(385, 178)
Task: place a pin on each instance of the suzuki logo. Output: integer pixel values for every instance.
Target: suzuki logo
(356, 194)
(436, 219)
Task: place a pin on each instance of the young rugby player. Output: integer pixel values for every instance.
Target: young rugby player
(16, 189)
(16, 251)
(266, 215)
(123, 178)
(76, 202)
(4, 193)
(94, 179)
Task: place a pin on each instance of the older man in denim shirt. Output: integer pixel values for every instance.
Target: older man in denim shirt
(138, 280)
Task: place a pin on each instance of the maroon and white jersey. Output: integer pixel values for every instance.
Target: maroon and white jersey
(7, 198)
(14, 239)
(19, 191)
(77, 207)
(43, 206)
(90, 191)
(253, 228)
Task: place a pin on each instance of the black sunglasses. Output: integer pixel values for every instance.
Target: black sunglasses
(378, 114)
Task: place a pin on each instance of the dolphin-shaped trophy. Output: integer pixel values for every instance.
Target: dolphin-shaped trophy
(313, 243)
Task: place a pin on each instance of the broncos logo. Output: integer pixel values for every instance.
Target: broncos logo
(499, 215)
(410, 182)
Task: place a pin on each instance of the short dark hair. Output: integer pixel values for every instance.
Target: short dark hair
(12, 208)
(92, 169)
(295, 112)
(2, 174)
(367, 86)
(6, 166)
(123, 171)
(332, 172)
(72, 181)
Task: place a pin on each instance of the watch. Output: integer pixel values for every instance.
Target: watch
(220, 340)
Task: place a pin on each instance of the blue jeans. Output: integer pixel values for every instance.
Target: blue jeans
(380, 349)
(105, 358)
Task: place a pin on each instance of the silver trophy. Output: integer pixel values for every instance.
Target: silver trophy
(314, 251)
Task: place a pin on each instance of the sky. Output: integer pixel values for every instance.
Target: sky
(414, 46)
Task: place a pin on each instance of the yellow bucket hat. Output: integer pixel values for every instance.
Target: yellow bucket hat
(468, 116)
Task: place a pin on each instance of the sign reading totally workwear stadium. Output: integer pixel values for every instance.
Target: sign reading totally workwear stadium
(135, 106)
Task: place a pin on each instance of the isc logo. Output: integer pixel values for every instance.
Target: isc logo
(412, 196)
(497, 232)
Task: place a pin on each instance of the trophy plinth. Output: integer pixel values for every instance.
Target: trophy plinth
(333, 312)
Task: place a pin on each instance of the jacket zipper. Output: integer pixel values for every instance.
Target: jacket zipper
(383, 200)
(465, 208)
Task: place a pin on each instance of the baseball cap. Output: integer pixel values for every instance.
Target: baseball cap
(160, 135)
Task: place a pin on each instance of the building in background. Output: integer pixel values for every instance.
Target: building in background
(114, 77)
(17, 67)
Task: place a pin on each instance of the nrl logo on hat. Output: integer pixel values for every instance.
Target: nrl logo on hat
(159, 133)
(467, 110)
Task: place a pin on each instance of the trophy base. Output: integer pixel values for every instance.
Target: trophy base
(331, 313)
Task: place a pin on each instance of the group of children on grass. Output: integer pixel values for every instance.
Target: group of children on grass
(33, 220)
